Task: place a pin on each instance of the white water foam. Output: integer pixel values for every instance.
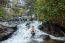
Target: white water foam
(23, 34)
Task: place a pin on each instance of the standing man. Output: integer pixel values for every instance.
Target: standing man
(33, 31)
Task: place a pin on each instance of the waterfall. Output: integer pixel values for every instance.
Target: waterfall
(23, 34)
(18, 3)
(21, 3)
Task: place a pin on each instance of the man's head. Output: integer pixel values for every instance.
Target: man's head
(32, 26)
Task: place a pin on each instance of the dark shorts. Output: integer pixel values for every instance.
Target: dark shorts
(32, 33)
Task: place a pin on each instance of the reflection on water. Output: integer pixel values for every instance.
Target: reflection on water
(33, 41)
(52, 41)
(46, 41)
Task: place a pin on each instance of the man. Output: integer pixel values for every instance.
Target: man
(33, 31)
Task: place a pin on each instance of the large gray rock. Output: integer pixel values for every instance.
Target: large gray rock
(4, 31)
(8, 24)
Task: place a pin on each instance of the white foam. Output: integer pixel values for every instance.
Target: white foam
(23, 34)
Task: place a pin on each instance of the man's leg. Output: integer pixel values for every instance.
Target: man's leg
(33, 34)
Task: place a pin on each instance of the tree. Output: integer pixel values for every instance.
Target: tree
(38, 8)
(51, 10)
(1, 12)
(2, 4)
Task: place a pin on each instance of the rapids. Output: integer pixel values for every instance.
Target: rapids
(23, 34)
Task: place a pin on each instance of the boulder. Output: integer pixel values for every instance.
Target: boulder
(5, 31)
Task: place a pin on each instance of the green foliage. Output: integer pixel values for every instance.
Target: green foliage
(39, 6)
(1, 12)
(53, 10)
(2, 5)
(3, 2)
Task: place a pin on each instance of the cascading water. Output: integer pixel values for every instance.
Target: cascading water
(23, 34)
(21, 3)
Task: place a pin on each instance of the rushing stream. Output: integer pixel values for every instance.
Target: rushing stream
(23, 34)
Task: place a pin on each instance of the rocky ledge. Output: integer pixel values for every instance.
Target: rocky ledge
(6, 32)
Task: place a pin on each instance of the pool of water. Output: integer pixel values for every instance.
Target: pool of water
(46, 41)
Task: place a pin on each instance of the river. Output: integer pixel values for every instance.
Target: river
(23, 34)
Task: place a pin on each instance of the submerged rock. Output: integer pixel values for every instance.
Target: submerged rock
(47, 37)
(52, 41)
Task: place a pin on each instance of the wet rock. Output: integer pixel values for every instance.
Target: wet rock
(7, 24)
(52, 29)
(47, 37)
(5, 31)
